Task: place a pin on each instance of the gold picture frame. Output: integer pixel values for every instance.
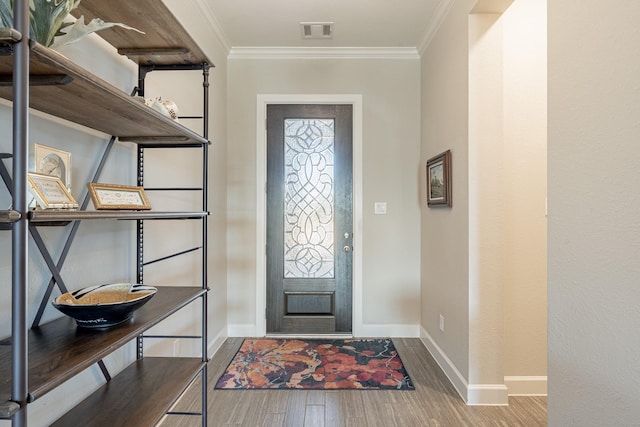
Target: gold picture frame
(439, 180)
(49, 192)
(118, 197)
(52, 161)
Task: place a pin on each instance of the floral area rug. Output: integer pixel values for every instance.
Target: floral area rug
(316, 364)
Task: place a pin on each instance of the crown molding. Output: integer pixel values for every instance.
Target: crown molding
(438, 17)
(323, 53)
(215, 26)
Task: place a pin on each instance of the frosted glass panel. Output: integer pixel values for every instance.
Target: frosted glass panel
(308, 200)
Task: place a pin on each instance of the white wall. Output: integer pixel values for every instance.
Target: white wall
(195, 19)
(486, 205)
(525, 190)
(483, 84)
(390, 91)
(445, 231)
(594, 228)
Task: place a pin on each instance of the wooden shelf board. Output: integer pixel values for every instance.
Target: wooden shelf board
(58, 350)
(7, 409)
(9, 216)
(93, 102)
(139, 396)
(45, 215)
(9, 35)
(162, 31)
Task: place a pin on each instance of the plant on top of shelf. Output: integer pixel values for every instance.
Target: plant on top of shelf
(47, 18)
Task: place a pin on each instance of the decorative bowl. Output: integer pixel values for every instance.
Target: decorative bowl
(104, 306)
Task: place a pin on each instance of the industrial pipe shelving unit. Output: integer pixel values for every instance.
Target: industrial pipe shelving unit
(25, 369)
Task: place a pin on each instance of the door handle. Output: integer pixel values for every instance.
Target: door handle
(347, 248)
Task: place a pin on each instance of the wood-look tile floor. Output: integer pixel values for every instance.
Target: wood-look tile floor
(434, 402)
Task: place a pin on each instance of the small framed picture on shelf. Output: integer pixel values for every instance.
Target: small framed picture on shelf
(54, 162)
(118, 197)
(439, 180)
(50, 193)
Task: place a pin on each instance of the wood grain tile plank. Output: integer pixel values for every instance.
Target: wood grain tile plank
(315, 397)
(314, 416)
(352, 403)
(296, 405)
(272, 420)
(333, 414)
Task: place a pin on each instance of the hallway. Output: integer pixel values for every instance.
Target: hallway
(433, 403)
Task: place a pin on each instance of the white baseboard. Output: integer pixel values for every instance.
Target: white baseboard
(447, 366)
(367, 330)
(526, 385)
(472, 394)
(487, 395)
(247, 330)
(394, 331)
(215, 343)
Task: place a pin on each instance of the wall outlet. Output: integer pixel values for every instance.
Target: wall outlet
(441, 323)
(380, 208)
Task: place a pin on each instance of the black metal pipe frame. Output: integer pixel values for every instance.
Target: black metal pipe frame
(20, 232)
(205, 234)
(142, 72)
(140, 226)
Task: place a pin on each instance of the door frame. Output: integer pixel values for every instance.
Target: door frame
(355, 100)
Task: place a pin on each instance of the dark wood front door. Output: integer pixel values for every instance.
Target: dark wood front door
(309, 219)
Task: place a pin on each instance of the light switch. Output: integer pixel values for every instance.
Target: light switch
(380, 208)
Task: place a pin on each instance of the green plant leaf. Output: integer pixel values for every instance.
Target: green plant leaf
(6, 14)
(78, 30)
(47, 22)
(47, 16)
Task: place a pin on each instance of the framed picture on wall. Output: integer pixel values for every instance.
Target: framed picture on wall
(439, 180)
(54, 162)
(113, 196)
(50, 193)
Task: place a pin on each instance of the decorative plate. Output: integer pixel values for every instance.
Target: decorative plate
(104, 306)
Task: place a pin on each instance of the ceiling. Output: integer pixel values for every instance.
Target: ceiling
(356, 23)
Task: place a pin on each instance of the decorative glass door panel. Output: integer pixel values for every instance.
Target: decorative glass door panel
(309, 198)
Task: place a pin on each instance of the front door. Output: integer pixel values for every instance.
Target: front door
(309, 219)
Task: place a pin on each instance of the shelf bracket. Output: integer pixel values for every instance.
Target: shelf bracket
(105, 371)
(133, 52)
(39, 80)
(6, 50)
(7, 409)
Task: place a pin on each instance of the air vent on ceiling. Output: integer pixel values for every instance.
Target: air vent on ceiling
(317, 30)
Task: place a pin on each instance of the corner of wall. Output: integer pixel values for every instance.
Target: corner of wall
(216, 342)
(472, 394)
(526, 385)
(447, 366)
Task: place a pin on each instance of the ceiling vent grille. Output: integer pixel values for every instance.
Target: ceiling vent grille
(317, 30)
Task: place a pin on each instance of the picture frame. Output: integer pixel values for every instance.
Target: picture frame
(52, 161)
(49, 192)
(118, 197)
(439, 180)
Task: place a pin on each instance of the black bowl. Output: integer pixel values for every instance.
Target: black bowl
(104, 306)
